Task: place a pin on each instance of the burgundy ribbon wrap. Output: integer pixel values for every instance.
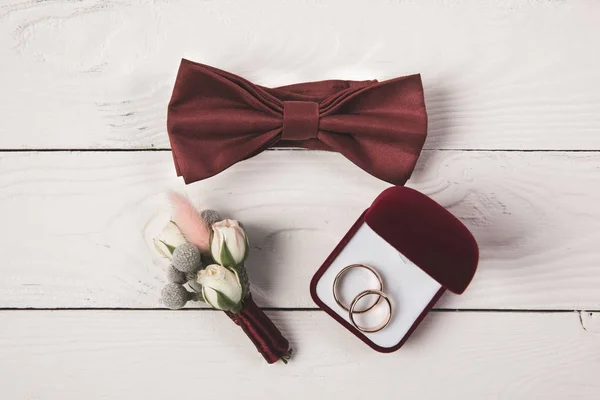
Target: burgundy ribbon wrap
(216, 119)
(260, 329)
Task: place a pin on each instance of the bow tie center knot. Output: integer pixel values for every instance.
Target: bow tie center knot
(300, 120)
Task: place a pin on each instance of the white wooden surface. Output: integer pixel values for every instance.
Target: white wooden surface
(512, 88)
(172, 355)
(85, 223)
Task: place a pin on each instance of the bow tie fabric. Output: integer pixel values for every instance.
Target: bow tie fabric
(216, 119)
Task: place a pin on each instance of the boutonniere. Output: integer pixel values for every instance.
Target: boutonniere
(207, 255)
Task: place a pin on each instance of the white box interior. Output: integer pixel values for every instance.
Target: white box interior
(409, 288)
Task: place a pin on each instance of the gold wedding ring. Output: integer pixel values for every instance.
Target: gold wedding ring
(339, 276)
(379, 327)
(352, 309)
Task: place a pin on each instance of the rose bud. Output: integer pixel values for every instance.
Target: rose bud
(221, 288)
(168, 240)
(228, 243)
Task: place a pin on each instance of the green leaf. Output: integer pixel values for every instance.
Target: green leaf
(168, 246)
(226, 257)
(206, 299)
(247, 248)
(225, 303)
(237, 308)
(242, 277)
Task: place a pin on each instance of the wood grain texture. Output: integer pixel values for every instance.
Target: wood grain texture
(77, 227)
(201, 354)
(505, 74)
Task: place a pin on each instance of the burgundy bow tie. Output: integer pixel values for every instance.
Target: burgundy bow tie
(216, 119)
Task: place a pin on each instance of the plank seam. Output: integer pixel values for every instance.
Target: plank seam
(298, 309)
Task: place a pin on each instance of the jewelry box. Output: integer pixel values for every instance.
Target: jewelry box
(419, 249)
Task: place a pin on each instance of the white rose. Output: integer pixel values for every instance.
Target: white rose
(221, 288)
(168, 240)
(228, 243)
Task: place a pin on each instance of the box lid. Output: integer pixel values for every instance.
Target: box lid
(427, 234)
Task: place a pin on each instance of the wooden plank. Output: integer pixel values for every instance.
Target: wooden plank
(171, 355)
(77, 227)
(498, 74)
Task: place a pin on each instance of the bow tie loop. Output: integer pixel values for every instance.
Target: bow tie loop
(300, 120)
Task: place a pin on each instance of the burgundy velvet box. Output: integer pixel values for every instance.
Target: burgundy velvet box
(417, 246)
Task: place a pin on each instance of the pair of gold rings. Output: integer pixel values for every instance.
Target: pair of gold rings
(352, 308)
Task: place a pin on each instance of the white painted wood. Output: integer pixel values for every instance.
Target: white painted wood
(176, 355)
(77, 227)
(590, 321)
(498, 74)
